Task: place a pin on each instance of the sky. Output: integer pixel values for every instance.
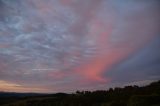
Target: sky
(68, 45)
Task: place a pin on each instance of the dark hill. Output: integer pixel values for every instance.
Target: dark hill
(127, 96)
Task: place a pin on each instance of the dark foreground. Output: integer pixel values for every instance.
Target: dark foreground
(127, 96)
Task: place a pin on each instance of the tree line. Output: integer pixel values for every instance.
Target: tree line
(127, 96)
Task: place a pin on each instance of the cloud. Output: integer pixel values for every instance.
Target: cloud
(142, 65)
(65, 44)
(13, 87)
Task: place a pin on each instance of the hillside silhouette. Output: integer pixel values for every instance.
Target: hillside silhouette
(128, 96)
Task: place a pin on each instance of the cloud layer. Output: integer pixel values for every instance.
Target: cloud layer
(65, 45)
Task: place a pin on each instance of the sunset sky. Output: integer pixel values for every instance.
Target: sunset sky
(69, 45)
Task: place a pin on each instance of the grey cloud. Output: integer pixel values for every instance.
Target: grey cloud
(38, 34)
(39, 40)
(142, 65)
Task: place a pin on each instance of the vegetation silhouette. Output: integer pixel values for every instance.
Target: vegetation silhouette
(128, 96)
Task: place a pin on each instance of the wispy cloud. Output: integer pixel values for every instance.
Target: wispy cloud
(14, 87)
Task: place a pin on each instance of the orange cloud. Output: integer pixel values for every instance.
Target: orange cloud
(14, 87)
